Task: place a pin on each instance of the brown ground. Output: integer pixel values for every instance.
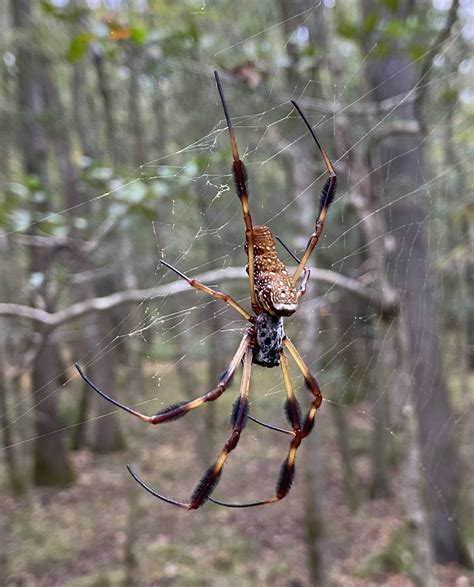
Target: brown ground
(78, 536)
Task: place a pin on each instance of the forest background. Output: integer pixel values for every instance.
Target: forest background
(114, 154)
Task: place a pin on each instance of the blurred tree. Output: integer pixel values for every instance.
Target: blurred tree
(400, 157)
(51, 463)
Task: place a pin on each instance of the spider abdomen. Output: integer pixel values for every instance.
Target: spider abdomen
(274, 289)
(269, 334)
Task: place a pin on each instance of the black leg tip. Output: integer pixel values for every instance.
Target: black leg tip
(133, 474)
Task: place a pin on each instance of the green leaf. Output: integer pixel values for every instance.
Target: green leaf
(417, 51)
(32, 182)
(193, 32)
(347, 29)
(370, 22)
(78, 46)
(391, 4)
(397, 29)
(138, 35)
(47, 7)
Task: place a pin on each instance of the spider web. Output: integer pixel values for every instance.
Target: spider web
(179, 330)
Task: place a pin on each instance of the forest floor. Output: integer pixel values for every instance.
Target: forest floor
(104, 528)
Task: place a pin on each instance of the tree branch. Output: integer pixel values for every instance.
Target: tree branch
(50, 321)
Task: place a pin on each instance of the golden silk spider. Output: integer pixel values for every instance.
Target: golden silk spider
(273, 295)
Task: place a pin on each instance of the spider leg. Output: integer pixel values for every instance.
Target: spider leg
(287, 471)
(306, 270)
(269, 426)
(311, 383)
(178, 410)
(327, 197)
(240, 177)
(215, 294)
(212, 476)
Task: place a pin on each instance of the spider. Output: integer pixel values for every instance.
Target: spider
(274, 295)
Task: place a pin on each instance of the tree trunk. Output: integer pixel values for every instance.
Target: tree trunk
(137, 128)
(51, 464)
(113, 142)
(15, 479)
(385, 344)
(304, 171)
(213, 321)
(414, 481)
(84, 116)
(401, 161)
(106, 436)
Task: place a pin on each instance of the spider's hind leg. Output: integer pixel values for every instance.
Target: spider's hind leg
(211, 477)
(287, 470)
(180, 409)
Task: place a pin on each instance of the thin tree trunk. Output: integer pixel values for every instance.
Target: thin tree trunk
(58, 135)
(314, 469)
(159, 108)
(303, 174)
(414, 482)
(15, 478)
(401, 159)
(51, 464)
(343, 431)
(107, 104)
(84, 117)
(132, 532)
(105, 436)
(213, 322)
(4, 546)
(463, 266)
(137, 128)
(6, 98)
(386, 349)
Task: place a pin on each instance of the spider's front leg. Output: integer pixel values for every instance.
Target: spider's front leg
(212, 292)
(240, 178)
(212, 476)
(327, 196)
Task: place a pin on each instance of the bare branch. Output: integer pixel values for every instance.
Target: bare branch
(102, 231)
(49, 242)
(50, 321)
(78, 245)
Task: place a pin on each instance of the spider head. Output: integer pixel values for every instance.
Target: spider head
(284, 300)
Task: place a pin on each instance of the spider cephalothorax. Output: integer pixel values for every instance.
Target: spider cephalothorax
(273, 295)
(275, 291)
